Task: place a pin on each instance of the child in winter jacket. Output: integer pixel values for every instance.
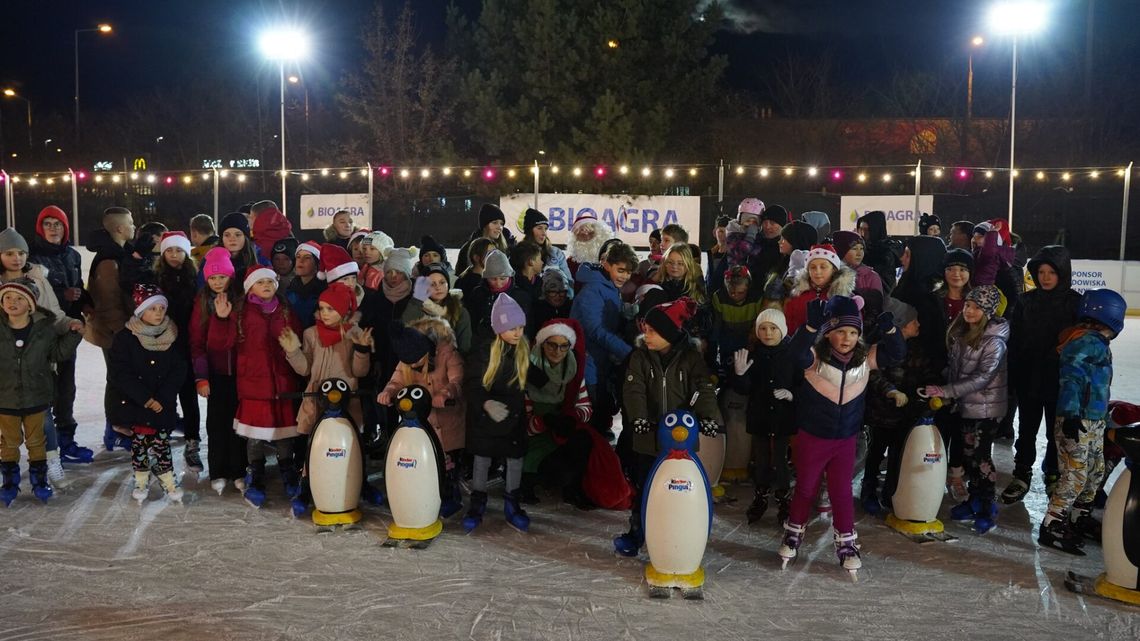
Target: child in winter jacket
(252, 329)
(32, 340)
(764, 375)
(976, 342)
(891, 406)
(1082, 408)
(495, 388)
(214, 375)
(1034, 368)
(429, 357)
(735, 306)
(498, 279)
(432, 297)
(824, 277)
(374, 248)
(665, 361)
(307, 284)
(829, 414)
(555, 301)
(147, 371)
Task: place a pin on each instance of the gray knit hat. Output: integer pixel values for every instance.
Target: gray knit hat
(11, 239)
(496, 265)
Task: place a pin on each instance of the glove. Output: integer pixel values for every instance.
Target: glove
(709, 427)
(420, 289)
(432, 308)
(740, 362)
(629, 311)
(931, 390)
(1072, 427)
(886, 323)
(782, 394)
(536, 376)
(642, 426)
(898, 397)
(751, 232)
(497, 410)
(816, 313)
(734, 228)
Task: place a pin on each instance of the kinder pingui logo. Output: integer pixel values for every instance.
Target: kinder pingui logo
(680, 485)
(406, 463)
(931, 458)
(336, 452)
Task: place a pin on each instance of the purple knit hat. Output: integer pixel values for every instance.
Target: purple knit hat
(506, 314)
(842, 311)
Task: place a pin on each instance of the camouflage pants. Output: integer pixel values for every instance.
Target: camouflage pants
(977, 448)
(1080, 463)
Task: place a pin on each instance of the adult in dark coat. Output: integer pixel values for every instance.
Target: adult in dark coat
(873, 228)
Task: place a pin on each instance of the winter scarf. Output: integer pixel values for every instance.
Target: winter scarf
(330, 336)
(844, 359)
(266, 306)
(397, 293)
(155, 338)
(558, 377)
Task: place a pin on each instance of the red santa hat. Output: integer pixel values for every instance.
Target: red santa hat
(256, 273)
(825, 252)
(336, 263)
(174, 239)
(146, 296)
(587, 217)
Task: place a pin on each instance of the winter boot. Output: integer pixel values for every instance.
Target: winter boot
(985, 515)
(173, 492)
(1084, 524)
(55, 469)
(37, 474)
(192, 456)
(475, 512)
(290, 479)
(1018, 486)
(847, 550)
(70, 451)
(1057, 532)
(759, 505)
(629, 544)
(11, 482)
(254, 493)
(516, 515)
(956, 484)
(453, 499)
(790, 547)
(142, 481)
(966, 510)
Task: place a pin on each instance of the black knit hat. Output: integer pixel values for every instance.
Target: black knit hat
(429, 244)
(438, 268)
(959, 256)
(777, 214)
(668, 319)
(926, 221)
(531, 219)
(489, 213)
(235, 220)
(287, 246)
(410, 345)
(800, 235)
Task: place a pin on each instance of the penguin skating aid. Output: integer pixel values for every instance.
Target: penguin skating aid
(921, 477)
(413, 471)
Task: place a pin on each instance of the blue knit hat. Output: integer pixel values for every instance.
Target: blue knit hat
(842, 311)
(506, 314)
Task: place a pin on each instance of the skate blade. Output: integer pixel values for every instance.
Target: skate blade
(854, 574)
(693, 594)
(660, 592)
(1056, 545)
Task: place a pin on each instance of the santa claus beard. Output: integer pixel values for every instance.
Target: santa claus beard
(587, 252)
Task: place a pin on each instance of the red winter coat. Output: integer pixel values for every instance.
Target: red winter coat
(269, 227)
(203, 360)
(263, 372)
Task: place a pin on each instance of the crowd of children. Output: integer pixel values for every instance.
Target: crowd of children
(795, 340)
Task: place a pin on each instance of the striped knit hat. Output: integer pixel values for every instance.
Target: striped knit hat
(842, 311)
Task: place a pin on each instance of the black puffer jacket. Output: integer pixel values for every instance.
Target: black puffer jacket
(138, 375)
(65, 270)
(880, 257)
(485, 437)
(772, 369)
(919, 369)
(1039, 318)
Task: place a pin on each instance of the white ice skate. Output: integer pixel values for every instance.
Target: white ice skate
(847, 550)
(793, 537)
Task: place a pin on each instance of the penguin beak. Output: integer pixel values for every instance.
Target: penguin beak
(335, 396)
(680, 434)
(405, 405)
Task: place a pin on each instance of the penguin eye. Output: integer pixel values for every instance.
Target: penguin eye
(417, 394)
(402, 393)
(342, 386)
(688, 419)
(326, 387)
(671, 420)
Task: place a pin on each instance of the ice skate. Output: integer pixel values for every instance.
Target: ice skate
(1058, 534)
(1017, 489)
(453, 502)
(956, 484)
(1084, 525)
(515, 514)
(475, 512)
(11, 482)
(37, 473)
(55, 471)
(142, 479)
(218, 485)
(789, 548)
(71, 452)
(629, 544)
(254, 493)
(964, 511)
(847, 550)
(985, 516)
(170, 486)
(759, 505)
(192, 456)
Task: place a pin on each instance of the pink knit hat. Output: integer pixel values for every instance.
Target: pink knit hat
(218, 263)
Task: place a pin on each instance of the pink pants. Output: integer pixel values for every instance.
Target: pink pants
(813, 456)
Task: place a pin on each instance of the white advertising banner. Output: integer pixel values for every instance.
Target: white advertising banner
(1098, 274)
(902, 220)
(317, 210)
(631, 217)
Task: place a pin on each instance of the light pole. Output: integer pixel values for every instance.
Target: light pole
(976, 42)
(1015, 19)
(11, 93)
(281, 45)
(104, 29)
(296, 80)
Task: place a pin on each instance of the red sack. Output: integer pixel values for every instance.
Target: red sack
(605, 483)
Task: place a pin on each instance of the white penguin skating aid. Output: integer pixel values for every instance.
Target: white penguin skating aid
(413, 472)
(921, 482)
(335, 467)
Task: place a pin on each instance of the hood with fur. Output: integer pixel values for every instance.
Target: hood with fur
(437, 329)
(841, 285)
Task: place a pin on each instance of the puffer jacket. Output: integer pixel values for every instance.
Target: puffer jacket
(655, 386)
(978, 377)
(29, 382)
(1038, 320)
(444, 382)
(795, 308)
(1086, 374)
(598, 308)
(64, 270)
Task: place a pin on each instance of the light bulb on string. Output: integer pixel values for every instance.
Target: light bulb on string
(763, 172)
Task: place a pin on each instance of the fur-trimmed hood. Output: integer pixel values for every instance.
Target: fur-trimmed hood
(842, 285)
(437, 329)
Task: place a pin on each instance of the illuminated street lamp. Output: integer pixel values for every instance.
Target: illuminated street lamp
(11, 93)
(103, 29)
(281, 45)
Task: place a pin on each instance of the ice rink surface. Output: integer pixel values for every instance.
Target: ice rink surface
(94, 565)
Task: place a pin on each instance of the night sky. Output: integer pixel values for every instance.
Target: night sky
(159, 44)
